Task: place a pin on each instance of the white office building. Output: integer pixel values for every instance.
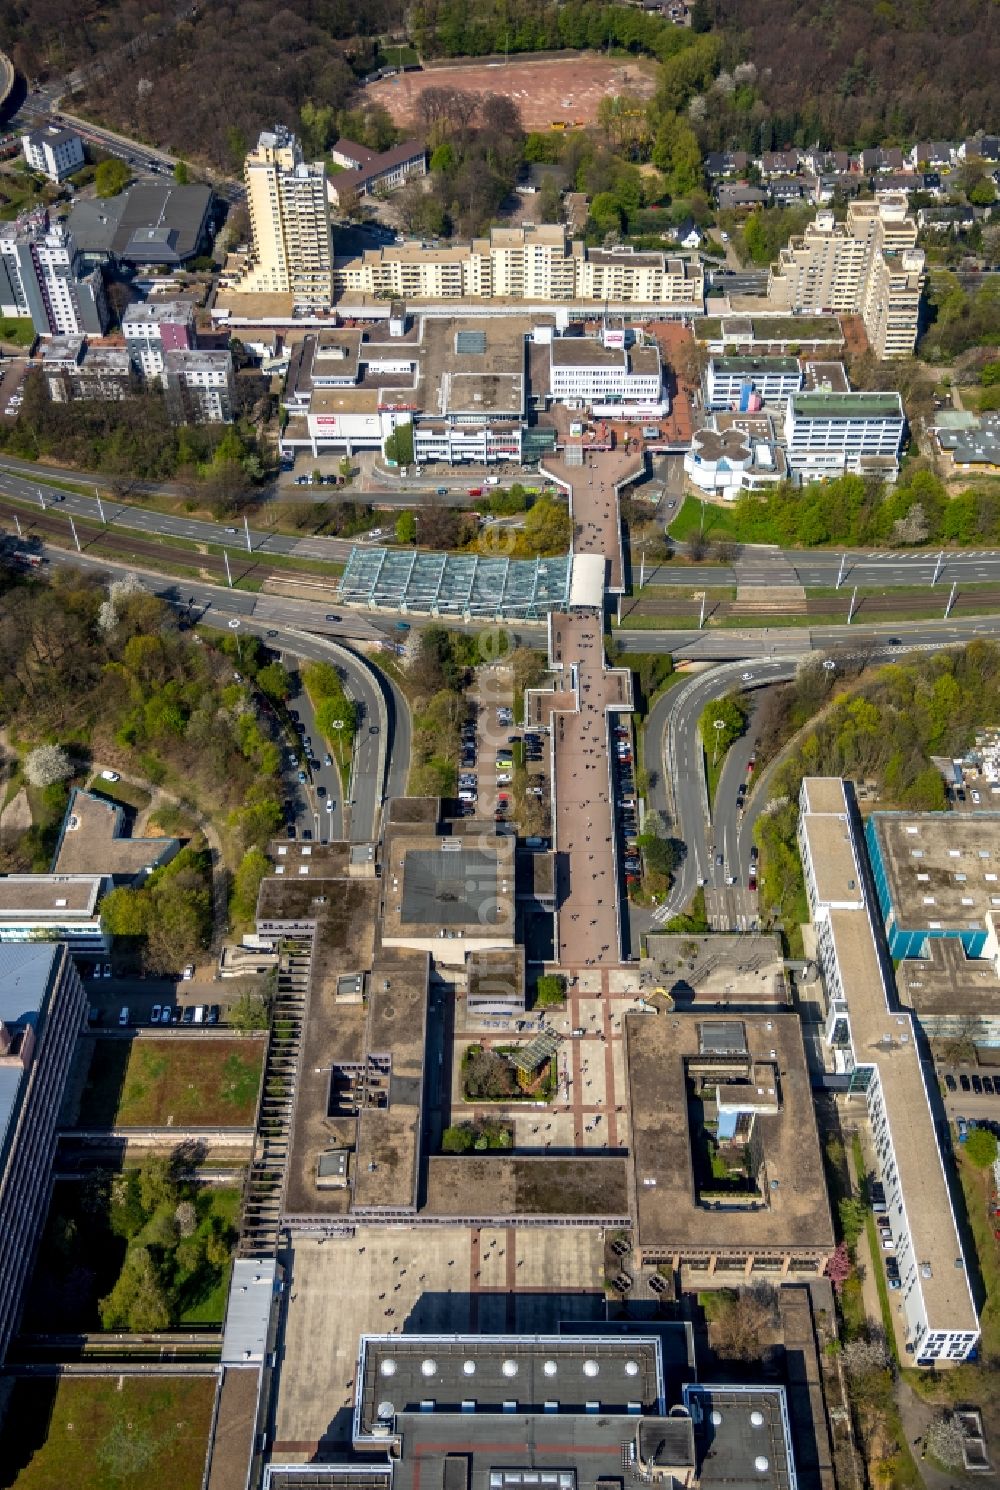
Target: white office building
(872, 1041)
(832, 434)
(57, 153)
(41, 276)
(587, 370)
(745, 383)
(54, 908)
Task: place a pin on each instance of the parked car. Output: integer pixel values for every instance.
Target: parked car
(950, 1082)
(154, 1018)
(188, 1015)
(165, 1014)
(977, 1085)
(964, 1082)
(123, 1015)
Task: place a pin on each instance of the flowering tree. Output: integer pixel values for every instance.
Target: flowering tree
(47, 765)
(839, 1267)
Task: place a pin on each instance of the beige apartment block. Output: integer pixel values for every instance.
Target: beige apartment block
(538, 264)
(292, 249)
(868, 266)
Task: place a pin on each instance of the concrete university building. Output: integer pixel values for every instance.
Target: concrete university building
(549, 1412)
(42, 1003)
(872, 1040)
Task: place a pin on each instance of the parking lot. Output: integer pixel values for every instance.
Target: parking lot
(108, 996)
(11, 393)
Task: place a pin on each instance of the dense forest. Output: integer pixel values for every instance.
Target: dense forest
(205, 81)
(858, 74)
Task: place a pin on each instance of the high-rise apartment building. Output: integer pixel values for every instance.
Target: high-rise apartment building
(41, 276)
(292, 249)
(868, 266)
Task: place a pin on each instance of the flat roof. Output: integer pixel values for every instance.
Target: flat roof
(824, 794)
(585, 351)
(847, 405)
(944, 983)
(794, 1210)
(941, 869)
(248, 1312)
(50, 897)
(441, 884)
(92, 840)
(388, 1136)
(742, 1436)
(529, 1370)
(490, 381)
(756, 364)
(885, 1039)
(344, 401)
(27, 976)
(494, 972)
(838, 878)
(479, 1187)
(313, 889)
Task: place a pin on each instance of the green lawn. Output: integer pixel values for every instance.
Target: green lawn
(120, 792)
(718, 521)
(172, 1082)
(19, 331)
(93, 1433)
(975, 1184)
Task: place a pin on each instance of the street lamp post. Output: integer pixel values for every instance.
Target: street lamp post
(100, 505)
(719, 725)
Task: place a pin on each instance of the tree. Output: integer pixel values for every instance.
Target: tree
(157, 1185)
(46, 765)
(274, 681)
(741, 1323)
(185, 1219)
(181, 173)
(457, 1139)
(981, 1148)
(111, 177)
(399, 445)
(661, 854)
(246, 883)
(722, 721)
(862, 1357)
(138, 1301)
(550, 989)
(249, 1012)
(346, 467)
(406, 528)
(839, 1266)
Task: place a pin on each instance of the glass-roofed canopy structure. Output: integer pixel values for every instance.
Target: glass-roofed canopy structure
(462, 585)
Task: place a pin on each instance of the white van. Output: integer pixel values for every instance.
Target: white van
(467, 794)
(199, 1014)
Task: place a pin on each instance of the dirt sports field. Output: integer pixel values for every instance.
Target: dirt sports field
(564, 89)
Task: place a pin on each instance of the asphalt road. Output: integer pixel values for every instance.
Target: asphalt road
(727, 644)
(868, 569)
(381, 764)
